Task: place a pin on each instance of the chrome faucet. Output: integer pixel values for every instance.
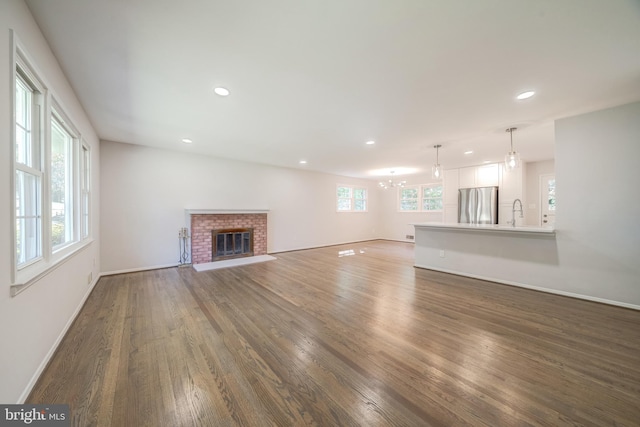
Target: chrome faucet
(513, 212)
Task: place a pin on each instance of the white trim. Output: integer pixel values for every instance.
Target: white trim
(135, 270)
(18, 288)
(224, 211)
(47, 358)
(535, 288)
(304, 248)
(486, 228)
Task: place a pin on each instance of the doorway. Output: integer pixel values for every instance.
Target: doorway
(548, 200)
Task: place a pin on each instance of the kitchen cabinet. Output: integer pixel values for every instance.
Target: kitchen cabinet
(451, 186)
(488, 175)
(480, 176)
(450, 199)
(467, 177)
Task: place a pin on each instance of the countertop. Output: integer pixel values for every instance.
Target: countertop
(487, 227)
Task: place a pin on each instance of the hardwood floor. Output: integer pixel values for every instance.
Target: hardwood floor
(345, 335)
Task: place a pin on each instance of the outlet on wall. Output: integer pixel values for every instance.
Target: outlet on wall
(409, 236)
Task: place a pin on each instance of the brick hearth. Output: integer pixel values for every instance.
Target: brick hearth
(203, 224)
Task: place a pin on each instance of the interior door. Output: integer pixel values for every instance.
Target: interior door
(548, 200)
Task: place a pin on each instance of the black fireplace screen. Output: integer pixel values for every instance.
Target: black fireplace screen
(232, 243)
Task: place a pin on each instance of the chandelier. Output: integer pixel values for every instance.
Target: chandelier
(390, 183)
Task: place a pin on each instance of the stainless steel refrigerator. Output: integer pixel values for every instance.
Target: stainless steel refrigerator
(478, 205)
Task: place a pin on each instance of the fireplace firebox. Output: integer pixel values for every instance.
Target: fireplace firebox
(231, 243)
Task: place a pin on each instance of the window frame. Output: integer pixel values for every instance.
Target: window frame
(420, 199)
(72, 190)
(22, 69)
(352, 198)
(25, 274)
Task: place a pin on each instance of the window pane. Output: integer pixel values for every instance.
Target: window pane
(85, 193)
(432, 192)
(409, 205)
(359, 193)
(61, 185)
(360, 205)
(552, 194)
(344, 192)
(28, 217)
(24, 96)
(344, 204)
(409, 193)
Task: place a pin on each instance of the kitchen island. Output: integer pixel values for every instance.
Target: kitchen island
(522, 256)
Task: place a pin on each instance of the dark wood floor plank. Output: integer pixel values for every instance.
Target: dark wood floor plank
(345, 335)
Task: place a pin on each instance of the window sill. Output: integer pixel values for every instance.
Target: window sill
(18, 288)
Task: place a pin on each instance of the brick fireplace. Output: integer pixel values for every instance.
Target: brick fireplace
(204, 224)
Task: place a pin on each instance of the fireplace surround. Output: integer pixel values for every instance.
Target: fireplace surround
(204, 222)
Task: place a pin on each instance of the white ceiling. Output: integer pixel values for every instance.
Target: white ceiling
(316, 79)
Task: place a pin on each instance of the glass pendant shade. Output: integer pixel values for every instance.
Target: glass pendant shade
(512, 159)
(436, 171)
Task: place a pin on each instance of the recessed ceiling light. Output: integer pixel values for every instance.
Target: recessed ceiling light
(370, 142)
(303, 162)
(187, 140)
(221, 91)
(468, 152)
(525, 95)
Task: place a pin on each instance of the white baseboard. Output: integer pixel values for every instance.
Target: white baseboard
(134, 270)
(304, 248)
(535, 288)
(56, 343)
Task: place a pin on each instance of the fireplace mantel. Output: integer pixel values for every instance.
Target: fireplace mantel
(224, 211)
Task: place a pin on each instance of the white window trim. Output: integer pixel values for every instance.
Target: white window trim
(420, 188)
(421, 198)
(85, 189)
(353, 199)
(32, 271)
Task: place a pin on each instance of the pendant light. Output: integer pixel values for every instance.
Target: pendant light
(436, 169)
(512, 160)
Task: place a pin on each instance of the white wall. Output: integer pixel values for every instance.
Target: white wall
(145, 192)
(532, 187)
(595, 252)
(32, 322)
(597, 177)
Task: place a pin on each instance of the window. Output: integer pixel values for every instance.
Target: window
(62, 178)
(409, 199)
(85, 191)
(51, 179)
(351, 199)
(28, 169)
(420, 198)
(431, 198)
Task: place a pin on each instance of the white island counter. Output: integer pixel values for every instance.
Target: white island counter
(485, 227)
(522, 256)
